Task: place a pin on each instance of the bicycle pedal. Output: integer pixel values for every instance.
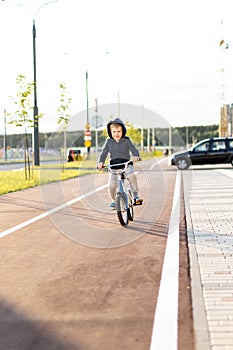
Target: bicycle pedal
(138, 202)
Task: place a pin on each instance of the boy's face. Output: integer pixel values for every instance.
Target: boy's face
(116, 132)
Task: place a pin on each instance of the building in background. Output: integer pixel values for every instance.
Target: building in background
(226, 121)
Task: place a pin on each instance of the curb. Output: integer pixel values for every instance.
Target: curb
(201, 332)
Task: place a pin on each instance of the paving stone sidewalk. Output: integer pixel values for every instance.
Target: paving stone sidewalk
(209, 213)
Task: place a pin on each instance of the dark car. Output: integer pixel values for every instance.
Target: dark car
(216, 150)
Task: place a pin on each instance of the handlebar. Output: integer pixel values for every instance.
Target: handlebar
(122, 166)
(119, 168)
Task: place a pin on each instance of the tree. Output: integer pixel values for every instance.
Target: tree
(22, 116)
(63, 115)
(133, 133)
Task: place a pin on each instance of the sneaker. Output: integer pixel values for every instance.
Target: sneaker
(112, 205)
(137, 200)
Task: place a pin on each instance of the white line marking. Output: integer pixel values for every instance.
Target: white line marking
(54, 210)
(225, 172)
(157, 162)
(164, 334)
(49, 212)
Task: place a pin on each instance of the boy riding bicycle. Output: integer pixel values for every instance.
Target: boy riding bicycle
(119, 147)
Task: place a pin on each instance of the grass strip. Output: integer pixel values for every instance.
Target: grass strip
(12, 181)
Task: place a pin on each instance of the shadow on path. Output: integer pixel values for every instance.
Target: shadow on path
(19, 332)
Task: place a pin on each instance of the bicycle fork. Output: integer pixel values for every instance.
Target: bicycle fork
(121, 192)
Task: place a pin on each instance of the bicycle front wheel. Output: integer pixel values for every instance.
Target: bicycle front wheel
(122, 211)
(130, 209)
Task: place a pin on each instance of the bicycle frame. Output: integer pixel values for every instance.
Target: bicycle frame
(121, 176)
(123, 198)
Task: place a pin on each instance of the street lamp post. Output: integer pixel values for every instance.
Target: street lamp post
(87, 142)
(35, 108)
(5, 135)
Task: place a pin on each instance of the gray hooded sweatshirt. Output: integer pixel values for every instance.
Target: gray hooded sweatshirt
(119, 151)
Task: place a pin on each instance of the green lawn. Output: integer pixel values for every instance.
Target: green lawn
(12, 181)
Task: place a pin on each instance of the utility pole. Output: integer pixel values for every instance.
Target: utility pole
(96, 129)
(87, 137)
(119, 105)
(142, 130)
(35, 108)
(5, 135)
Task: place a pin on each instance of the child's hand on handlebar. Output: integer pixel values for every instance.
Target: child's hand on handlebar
(136, 159)
(100, 166)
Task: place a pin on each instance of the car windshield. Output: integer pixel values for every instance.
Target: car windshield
(197, 144)
(200, 147)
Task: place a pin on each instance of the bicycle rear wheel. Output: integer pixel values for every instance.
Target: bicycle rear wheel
(122, 211)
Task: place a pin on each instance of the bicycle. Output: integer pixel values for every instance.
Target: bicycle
(124, 198)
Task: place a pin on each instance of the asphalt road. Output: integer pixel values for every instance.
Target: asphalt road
(11, 166)
(8, 166)
(71, 278)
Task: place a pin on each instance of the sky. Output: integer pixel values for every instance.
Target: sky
(164, 55)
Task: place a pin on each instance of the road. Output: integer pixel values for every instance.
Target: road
(72, 278)
(8, 166)
(11, 166)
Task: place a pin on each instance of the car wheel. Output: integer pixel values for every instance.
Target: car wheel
(182, 163)
(232, 161)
